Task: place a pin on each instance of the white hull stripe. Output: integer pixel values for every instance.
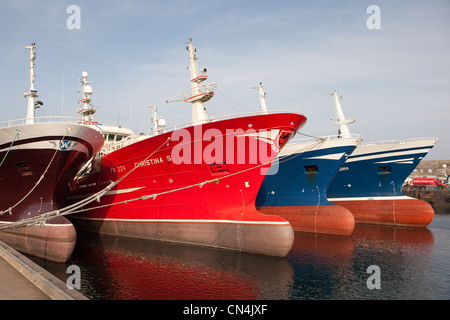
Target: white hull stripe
(390, 154)
(65, 145)
(109, 193)
(203, 221)
(371, 198)
(409, 160)
(114, 192)
(333, 156)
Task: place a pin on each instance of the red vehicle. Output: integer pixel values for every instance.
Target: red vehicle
(428, 183)
(442, 184)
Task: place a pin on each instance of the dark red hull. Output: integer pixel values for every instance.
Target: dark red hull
(34, 179)
(54, 242)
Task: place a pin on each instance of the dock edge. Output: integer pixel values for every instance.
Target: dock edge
(50, 285)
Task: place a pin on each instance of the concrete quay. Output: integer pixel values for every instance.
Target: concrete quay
(22, 279)
(438, 199)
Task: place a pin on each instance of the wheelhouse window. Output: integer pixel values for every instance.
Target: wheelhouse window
(111, 137)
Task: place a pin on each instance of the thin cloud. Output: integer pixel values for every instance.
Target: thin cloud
(394, 80)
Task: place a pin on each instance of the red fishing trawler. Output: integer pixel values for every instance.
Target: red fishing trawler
(193, 184)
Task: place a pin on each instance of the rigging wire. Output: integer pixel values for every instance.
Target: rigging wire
(77, 207)
(201, 184)
(9, 149)
(37, 183)
(42, 218)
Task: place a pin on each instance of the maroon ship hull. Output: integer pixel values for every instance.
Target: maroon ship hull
(39, 161)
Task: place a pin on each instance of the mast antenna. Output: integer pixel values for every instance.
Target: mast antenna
(87, 110)
(199, 93)
(32, 93)
(340, 119)
(262, 97)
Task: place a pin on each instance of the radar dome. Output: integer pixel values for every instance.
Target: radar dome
(88, 90)
(162, 123)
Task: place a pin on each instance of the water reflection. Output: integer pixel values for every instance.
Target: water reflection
(414, 264)
(124, 268)
(334, 267)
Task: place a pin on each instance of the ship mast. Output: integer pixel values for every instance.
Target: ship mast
(262, 97)
(340, 119)
(158, 123)
(198, 110)
(86, 110)
(33, 92)
(199, 93)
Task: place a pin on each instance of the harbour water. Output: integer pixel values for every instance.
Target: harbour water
(412, 264)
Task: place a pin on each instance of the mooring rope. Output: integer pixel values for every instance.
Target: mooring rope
(42, 218)
(75, 208)
(200, 184)
(9, 149)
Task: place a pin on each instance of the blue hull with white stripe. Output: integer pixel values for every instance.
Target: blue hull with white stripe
(302, 177)
(369, 184)
(378, 170)
(296, 186)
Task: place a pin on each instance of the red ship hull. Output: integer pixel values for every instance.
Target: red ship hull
(393, 211)
(196, 185)
(333, 219)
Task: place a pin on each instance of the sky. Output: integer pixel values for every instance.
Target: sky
(392, 66)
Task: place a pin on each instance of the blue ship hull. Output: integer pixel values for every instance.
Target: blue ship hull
(296, 186)
(369, 183)
(378, 170)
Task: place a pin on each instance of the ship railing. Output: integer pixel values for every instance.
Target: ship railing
(215, 119)
(45, 119)
(133, 139)
(331, 137)
(190, 93)
(400, 141)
